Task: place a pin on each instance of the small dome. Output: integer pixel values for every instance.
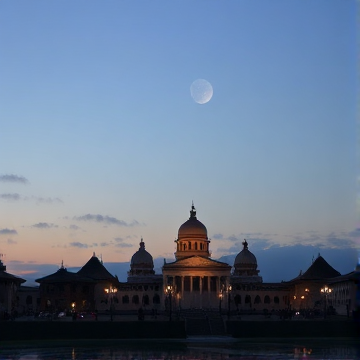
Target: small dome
(142, 257)
(245, 257)
(192, 228)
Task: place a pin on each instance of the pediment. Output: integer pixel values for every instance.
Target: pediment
(197, 261)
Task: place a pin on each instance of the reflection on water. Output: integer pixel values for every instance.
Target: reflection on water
(191, 350)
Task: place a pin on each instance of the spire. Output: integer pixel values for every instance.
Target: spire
(245, 244)
(2, 266)
(192, 211)
(62, 264)
(142, 244)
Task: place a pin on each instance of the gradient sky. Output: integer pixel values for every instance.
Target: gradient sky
(102, 143)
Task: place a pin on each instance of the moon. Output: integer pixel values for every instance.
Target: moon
(201, 91)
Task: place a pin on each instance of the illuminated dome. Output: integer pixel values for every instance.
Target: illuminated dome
(192, 228)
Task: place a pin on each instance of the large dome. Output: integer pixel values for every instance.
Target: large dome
(245, 257)
(142, 257)
(193, 228)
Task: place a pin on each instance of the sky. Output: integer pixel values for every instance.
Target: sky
(102, 142)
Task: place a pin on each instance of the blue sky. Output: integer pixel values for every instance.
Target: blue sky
(103, 143)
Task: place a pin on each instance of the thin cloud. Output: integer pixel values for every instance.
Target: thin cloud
(218, 236)
(13, 179)
(124, 245)
(44, 225)
(47, 200)
(10, 197)
(74, 227)
(11, 242)
(8, 232)
(37, 199)
(79, 245)
(105, 219)
(233, 238)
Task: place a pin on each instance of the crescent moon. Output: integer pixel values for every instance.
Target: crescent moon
(201, 91)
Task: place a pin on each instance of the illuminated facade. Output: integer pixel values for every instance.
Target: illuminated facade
(195, 281)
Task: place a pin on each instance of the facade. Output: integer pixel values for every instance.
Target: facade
(192, 281)
(9, 285)
(81, 291)
(143, 288)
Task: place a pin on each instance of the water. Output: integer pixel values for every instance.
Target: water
(189, 349)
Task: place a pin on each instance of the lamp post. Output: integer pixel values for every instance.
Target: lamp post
(326, 291)
(169, 293)
(220, 300)
(111, 291)
(229, 294)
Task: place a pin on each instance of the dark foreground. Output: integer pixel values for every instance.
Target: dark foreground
(107, 330)
(200, 348)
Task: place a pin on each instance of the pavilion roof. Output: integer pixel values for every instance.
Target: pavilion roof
(95, 270)
(319, 269)
(64, 276)
(4, 276)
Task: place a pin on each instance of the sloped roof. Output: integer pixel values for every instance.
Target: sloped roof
(4, 276)
(197, 262)
(95, 270)
(319, 269)
(64, 276)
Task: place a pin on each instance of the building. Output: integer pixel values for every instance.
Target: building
(195, 281)
(9, 285)
(194, 278)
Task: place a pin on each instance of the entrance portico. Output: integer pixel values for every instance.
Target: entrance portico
(196, 280)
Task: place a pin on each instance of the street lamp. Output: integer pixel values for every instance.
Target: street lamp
(220, 300)
(169, 293)
(111, 291)
(229, 293)
(326, 291)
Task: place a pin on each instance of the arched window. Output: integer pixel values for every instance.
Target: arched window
(237, 299)
(125, 299)
(201, 246)
(247, 299)
(135, 299)
(145, 300)
(116, 300)
(267, 299)
(189, 245)
(257, 300)
(156, 299)
(276, 300)
(196, 246)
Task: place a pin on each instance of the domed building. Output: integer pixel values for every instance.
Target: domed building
(192, 238)
(245, 266)
(196, 281)
(143, 288)
(141, 264)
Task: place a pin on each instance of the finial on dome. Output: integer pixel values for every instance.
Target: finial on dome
(192, 211)
(94, 254)
(245, 244)
(62, 264)
(142, 244)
